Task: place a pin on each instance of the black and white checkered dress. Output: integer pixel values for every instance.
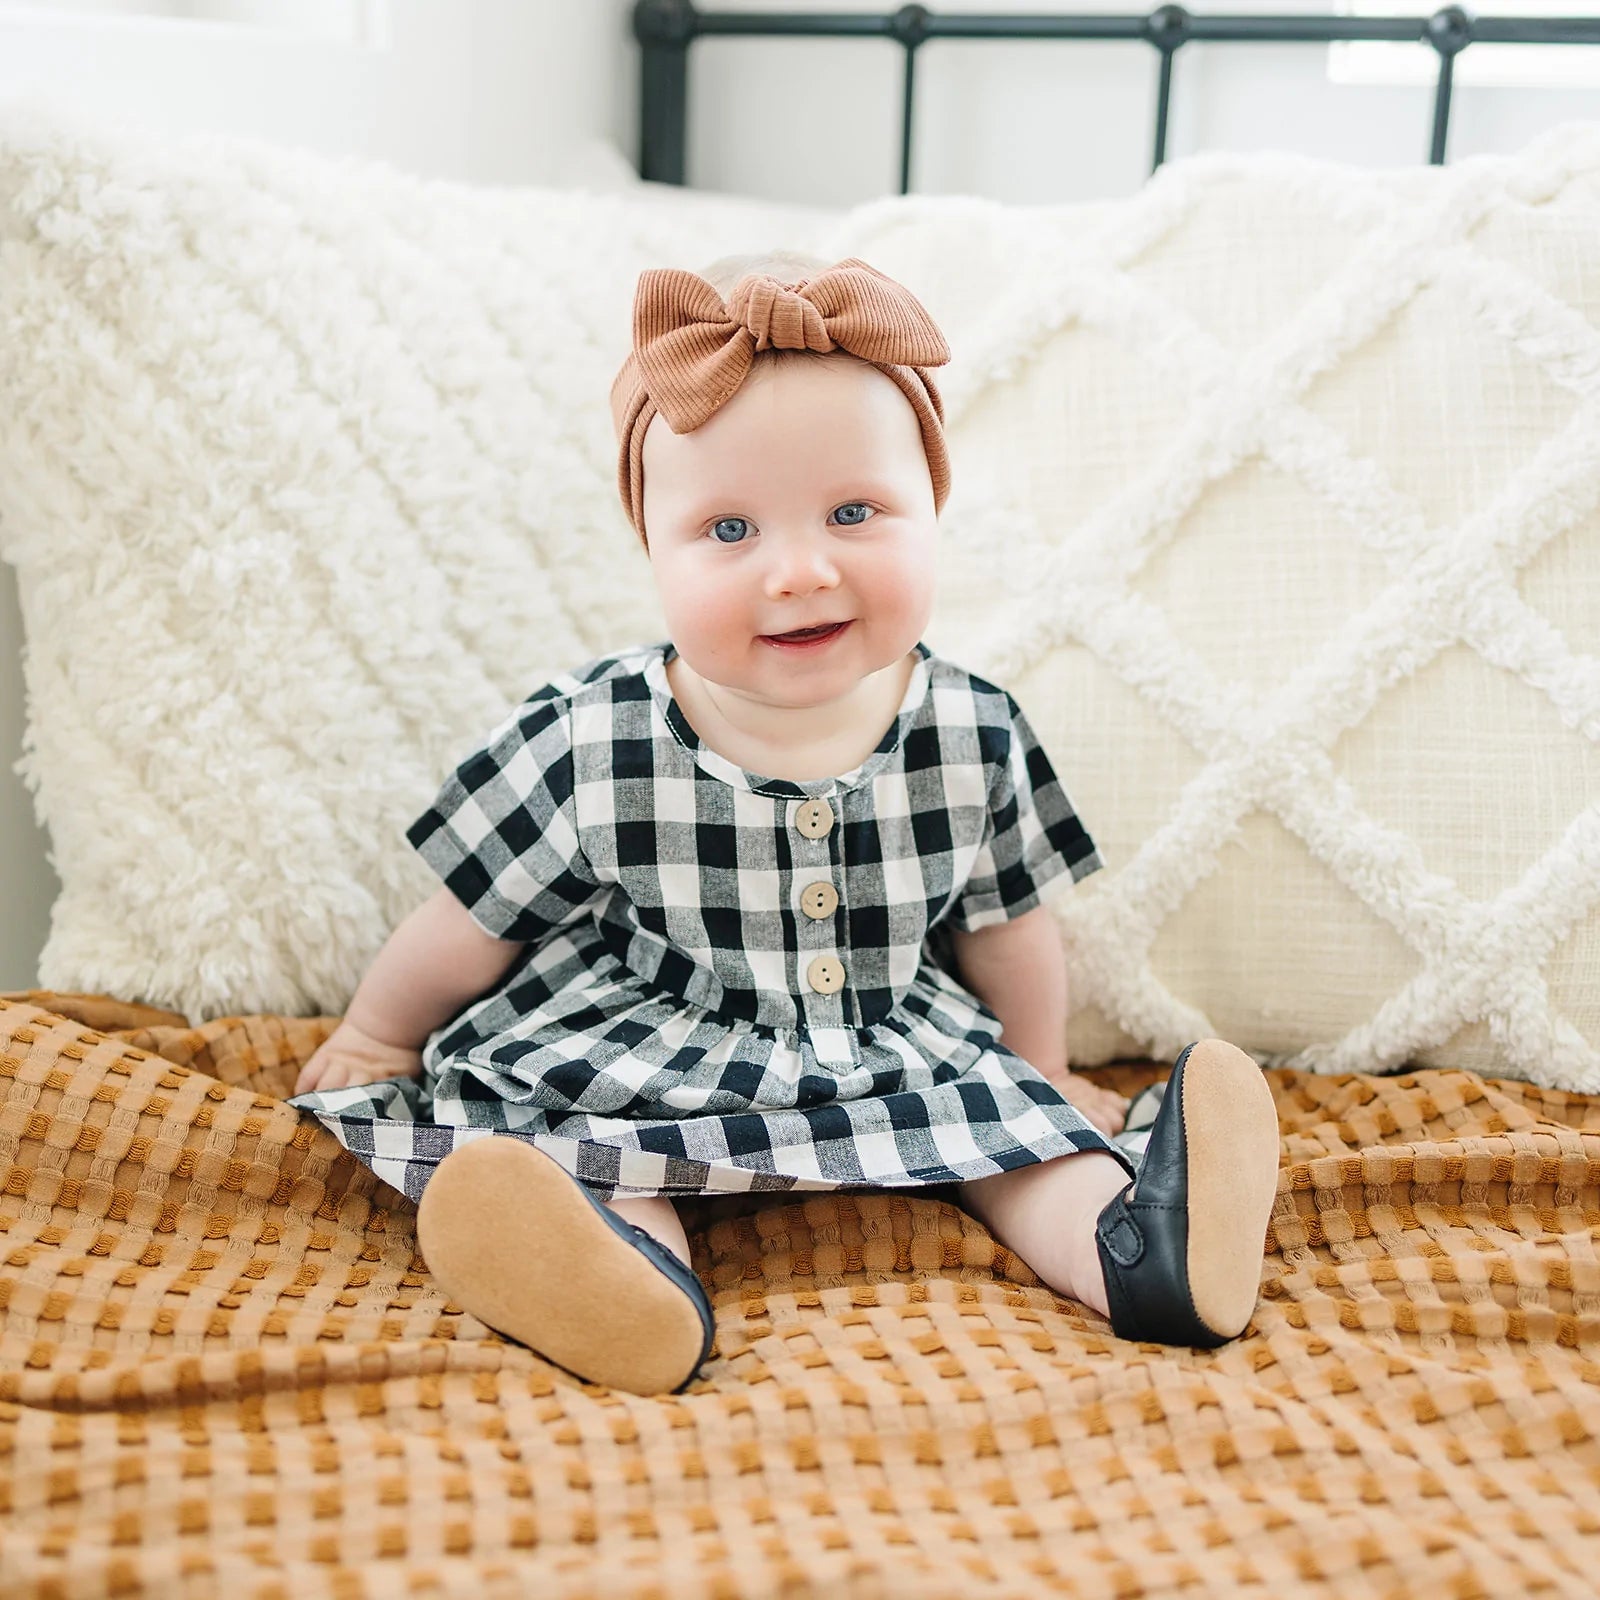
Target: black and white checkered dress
(734, 982)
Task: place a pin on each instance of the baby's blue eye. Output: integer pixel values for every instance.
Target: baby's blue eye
(729, 530)
(852, 506)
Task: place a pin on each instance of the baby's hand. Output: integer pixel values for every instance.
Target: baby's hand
(348, 1056)
(1105, 1108)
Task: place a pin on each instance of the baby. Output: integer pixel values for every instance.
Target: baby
(682, 944)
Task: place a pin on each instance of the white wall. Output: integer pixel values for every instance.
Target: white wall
(819, 120)
(506, 91)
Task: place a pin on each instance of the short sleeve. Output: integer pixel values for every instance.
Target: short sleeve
(1032, 834)
(502, 832)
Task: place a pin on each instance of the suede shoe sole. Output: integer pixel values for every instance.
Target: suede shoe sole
(1181, 1248)
(516, 1240)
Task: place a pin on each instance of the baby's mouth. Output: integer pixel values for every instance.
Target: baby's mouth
(806, 635)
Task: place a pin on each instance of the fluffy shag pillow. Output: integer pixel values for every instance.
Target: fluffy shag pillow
(1275, 505)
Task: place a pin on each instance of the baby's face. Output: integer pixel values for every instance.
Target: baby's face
(805, 499)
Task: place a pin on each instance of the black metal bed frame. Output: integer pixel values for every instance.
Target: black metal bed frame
(666, 28)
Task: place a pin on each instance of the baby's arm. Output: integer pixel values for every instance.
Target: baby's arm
(432, 964)
(1019, 970)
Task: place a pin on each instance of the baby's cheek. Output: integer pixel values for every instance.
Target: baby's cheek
(707, 619)
(904, 580)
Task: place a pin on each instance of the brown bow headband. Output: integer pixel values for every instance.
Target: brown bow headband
(691, 352)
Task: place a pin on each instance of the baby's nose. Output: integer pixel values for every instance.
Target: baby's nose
(800, 565)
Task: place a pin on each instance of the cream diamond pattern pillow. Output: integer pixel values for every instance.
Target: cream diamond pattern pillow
(1275, 504)
(1294, 477)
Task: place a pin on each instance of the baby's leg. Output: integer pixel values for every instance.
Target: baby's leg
(659, 1218)
(1173, 1258)
(1047, 1213)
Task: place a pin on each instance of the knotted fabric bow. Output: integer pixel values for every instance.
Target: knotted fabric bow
(692, 351)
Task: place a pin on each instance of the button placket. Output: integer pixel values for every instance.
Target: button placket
(822, 971)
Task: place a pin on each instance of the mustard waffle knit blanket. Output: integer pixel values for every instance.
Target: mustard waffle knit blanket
(224, 1369)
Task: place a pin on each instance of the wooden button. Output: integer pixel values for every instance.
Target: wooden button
(825, 974)
(819, 900)
(814, 818)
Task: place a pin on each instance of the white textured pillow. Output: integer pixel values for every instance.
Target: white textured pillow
(1275, 504)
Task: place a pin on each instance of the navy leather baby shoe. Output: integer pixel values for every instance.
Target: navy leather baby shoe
(1181, 1248)
(516, 1240)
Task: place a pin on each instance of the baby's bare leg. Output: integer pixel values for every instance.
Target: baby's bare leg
(657, 1215)
(1046, 1213)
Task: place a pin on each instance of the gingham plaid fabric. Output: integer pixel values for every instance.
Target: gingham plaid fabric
(729, 981)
